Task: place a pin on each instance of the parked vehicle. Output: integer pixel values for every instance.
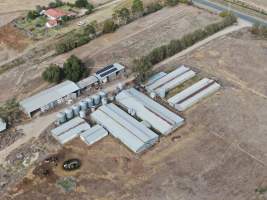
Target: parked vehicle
(71, 164)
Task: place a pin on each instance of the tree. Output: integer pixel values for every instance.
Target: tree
(109, 26)
(122, 16)
(137, 8)
(89, 8)
(32, 14)
(142, 68)
(153, 7)
(53, 74)
(74, 69)
(90, 30)
(81, 3)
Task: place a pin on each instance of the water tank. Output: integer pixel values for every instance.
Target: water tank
(93, 109)
(152, 95)
(96, 99)
(61, 117)
(104, 101)
(82, 114)
(120, 86)
(102, 94)
(69, 113)
(76, 109)
(83, 105)
(90, 102)
(111, 97)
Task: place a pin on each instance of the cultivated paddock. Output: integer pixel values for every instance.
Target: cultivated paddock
(220, 153)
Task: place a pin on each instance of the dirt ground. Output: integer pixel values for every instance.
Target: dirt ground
(221, 152)
(257, 3)
(128, 42)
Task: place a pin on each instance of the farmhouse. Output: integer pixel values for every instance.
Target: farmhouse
(47, 99)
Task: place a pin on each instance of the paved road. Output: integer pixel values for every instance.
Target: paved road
(219, 7)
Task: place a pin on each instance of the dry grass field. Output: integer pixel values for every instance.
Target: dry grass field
(257, 3)
(220, 152)
(130, 41)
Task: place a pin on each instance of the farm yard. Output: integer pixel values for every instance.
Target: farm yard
(136, 36)
(219, 154)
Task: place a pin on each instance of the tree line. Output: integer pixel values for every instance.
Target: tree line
(144, 64)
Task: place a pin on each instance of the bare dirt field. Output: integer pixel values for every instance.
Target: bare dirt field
(123, 46)
(221, 152)
(257, 3)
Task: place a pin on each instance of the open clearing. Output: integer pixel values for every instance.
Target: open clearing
(222, 152)
(130, 41)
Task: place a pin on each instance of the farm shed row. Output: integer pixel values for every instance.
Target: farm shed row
(49, 98)
(135, 135)
(169, 81)
(193, 94)
(145, 108)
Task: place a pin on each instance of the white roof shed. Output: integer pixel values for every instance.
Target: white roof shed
(128, 130)
(48, 96)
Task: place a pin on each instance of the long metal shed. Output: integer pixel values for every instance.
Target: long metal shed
(160, 118)
(87, 82)
(109, 72)
(93, 134)
(128, 130)
(70, 130)
(48, 98)
(193, 94)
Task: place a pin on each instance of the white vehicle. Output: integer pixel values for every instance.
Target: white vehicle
(81, 23)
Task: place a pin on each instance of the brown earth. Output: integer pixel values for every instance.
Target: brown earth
(220, 153)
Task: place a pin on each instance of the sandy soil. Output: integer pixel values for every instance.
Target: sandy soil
(221, 154)
(122, 46)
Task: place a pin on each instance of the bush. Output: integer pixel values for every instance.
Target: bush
(81, 3)
(109, 26)
(172, 2)
(122, 16)
(32, 15)
(53, 74)
(55, 4)
(137, 8)
(153, 7)
(74, 69)
(259, 30)
(9, 111)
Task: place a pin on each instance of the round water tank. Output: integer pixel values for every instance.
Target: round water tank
(152, 95)
(120, 86)
(93, 109)
(104, 101)
(82, 114)
(102, 94)
(90, 102)
(61, 117)
(111, 97)
(83, 105)
(96, 99)
(76, 109)
(69, 113)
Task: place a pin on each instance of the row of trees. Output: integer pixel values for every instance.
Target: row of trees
(175, 2)
(144, 64)
(73, 69)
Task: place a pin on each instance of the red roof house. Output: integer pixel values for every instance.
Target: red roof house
(53, 13)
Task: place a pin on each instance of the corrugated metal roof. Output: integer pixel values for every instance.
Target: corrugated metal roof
(47, 96)
(87, 82)
(128, 130)
(109, 70)
(3, 125)
(155, 77)
(160, 118)
(93, 134)
(167, 78)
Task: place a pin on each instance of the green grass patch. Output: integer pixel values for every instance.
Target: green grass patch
(183, 86)
(67, 184)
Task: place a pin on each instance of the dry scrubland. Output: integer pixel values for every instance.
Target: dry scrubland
(130, 41)
(221, 153)
(258, 3)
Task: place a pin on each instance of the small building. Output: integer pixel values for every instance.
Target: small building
(70, 130)
(49, 98)
(110, 72)
(55, 13)
(88, 83)
(3, 125)
(93, 134)
(51, 23)
(132, 133)
(160, 118)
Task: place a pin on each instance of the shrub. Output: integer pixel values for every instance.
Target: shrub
(109, 26)
(172, 2)
(122, 16)
(9, 111)
(74, 69)
(55, 4)
(137, 8)
(81, 3)
(153, 7)
(32, 14)
(53, 74)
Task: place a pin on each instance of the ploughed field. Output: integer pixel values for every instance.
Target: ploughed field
(220, 153)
